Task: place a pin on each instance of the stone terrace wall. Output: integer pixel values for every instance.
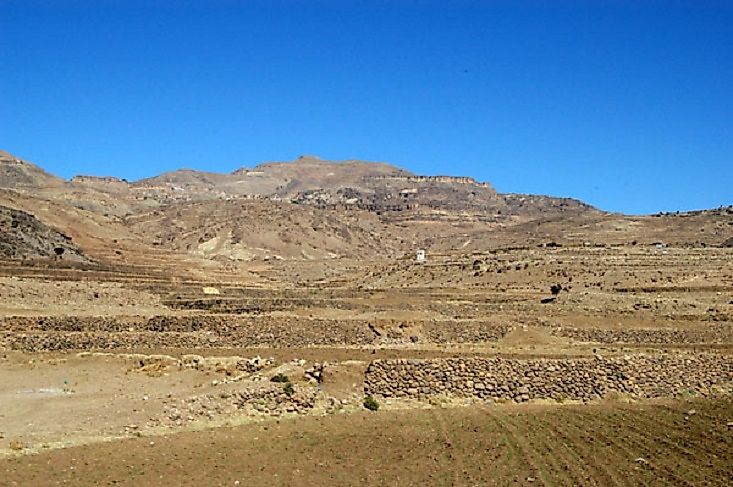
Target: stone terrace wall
(246, 305)
(714, 333)
(463, 332)
(108, 333)
(233, 331)
(523, 380)
(58, 333)
(268, 400)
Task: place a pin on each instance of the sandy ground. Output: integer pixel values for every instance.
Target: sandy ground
(58, 402)
(25, 296)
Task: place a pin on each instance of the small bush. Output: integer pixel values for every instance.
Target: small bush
(685, 394)
(282, 378)
(370, 403)
(289, 389)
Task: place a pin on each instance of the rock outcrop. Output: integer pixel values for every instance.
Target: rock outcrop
(23, 236)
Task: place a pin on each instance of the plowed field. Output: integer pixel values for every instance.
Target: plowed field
(665, 443)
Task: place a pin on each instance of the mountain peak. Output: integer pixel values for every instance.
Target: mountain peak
(14, 172)
(308, 158)
(8, 158)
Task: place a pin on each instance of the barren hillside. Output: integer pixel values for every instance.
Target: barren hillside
(313, 209)
(254, 229)
(17, 173)
(22, 236)
(196, 300)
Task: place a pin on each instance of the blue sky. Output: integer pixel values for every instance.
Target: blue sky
(626, 105)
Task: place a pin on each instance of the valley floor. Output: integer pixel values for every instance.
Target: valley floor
(552, 366)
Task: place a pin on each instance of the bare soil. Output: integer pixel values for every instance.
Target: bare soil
(667, 443)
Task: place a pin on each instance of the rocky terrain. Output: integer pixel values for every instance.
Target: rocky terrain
(315, 209)
(22, 236)
(244, 230)
(540, 340)
(17, 173)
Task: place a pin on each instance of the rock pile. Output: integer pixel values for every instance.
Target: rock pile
(267, 400)
(229, 365)
(559, 379)
(233, 366)
(315, 372)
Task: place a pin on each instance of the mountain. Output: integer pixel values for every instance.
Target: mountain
(307, 209)
(380, 188)
(386, 190)
(273, 179)
(17, 173)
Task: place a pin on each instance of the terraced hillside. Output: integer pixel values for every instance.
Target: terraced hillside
(195, 321)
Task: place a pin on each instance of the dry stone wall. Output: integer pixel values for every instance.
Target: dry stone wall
(256, 304)
(463, 332)
(103, 334)
(34, 334)
(58, 333)
(559, 379)
(714, 333)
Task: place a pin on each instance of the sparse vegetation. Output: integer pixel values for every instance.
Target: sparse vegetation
(280, 377)
(370, 403)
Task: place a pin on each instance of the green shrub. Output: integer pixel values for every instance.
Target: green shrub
(370, 403)
(280, 378)
(289, 389)
(685, 394)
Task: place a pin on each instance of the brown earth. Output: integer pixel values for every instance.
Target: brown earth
(653, 444)
(315, 209)
(143, 354)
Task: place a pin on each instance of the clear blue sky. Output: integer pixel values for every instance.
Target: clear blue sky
(626, 105)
